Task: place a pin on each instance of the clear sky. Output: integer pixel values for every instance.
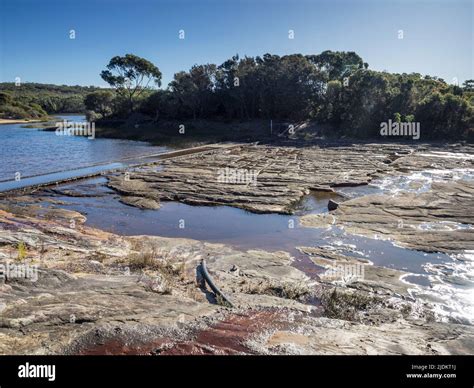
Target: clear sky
(35, 44)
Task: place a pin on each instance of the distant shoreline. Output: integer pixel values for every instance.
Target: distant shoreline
(18, 121)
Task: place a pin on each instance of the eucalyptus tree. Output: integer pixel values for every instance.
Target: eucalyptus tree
(130, 75)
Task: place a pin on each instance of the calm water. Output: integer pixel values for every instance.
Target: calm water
(31, 152)
(237, 227)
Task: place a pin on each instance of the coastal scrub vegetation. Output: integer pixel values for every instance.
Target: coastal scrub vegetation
(335, 90)
(11, 108)
(346, 305)
(37, 101)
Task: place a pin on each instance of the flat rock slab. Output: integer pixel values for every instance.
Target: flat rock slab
(284, 331)
(266, 179)
(370, 278)
(141, 202)
(439, 220)
(86, 282)
(277, 176)
(325, 336)
(47, 320)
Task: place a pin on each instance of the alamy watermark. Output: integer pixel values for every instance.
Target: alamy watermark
(12, 270)
(345, 273)
(30, 371)
(400, 129)
(74, 128)
(238, 176)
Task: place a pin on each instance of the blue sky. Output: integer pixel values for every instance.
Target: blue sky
(35, 44)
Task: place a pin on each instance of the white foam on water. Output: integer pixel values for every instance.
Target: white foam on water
(340, 243)
(445, 226)
(448, 155)
(452, 288)
(419, 182)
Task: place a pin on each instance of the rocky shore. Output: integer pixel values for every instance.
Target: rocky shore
(435, 221)
(283, 175)
(98, 292)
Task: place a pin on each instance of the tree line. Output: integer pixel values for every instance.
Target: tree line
(332, 88)
(336, 89)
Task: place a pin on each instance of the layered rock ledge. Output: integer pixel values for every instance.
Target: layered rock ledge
(439, 220)
(283, 175)
(100, 293)
(280, 176)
